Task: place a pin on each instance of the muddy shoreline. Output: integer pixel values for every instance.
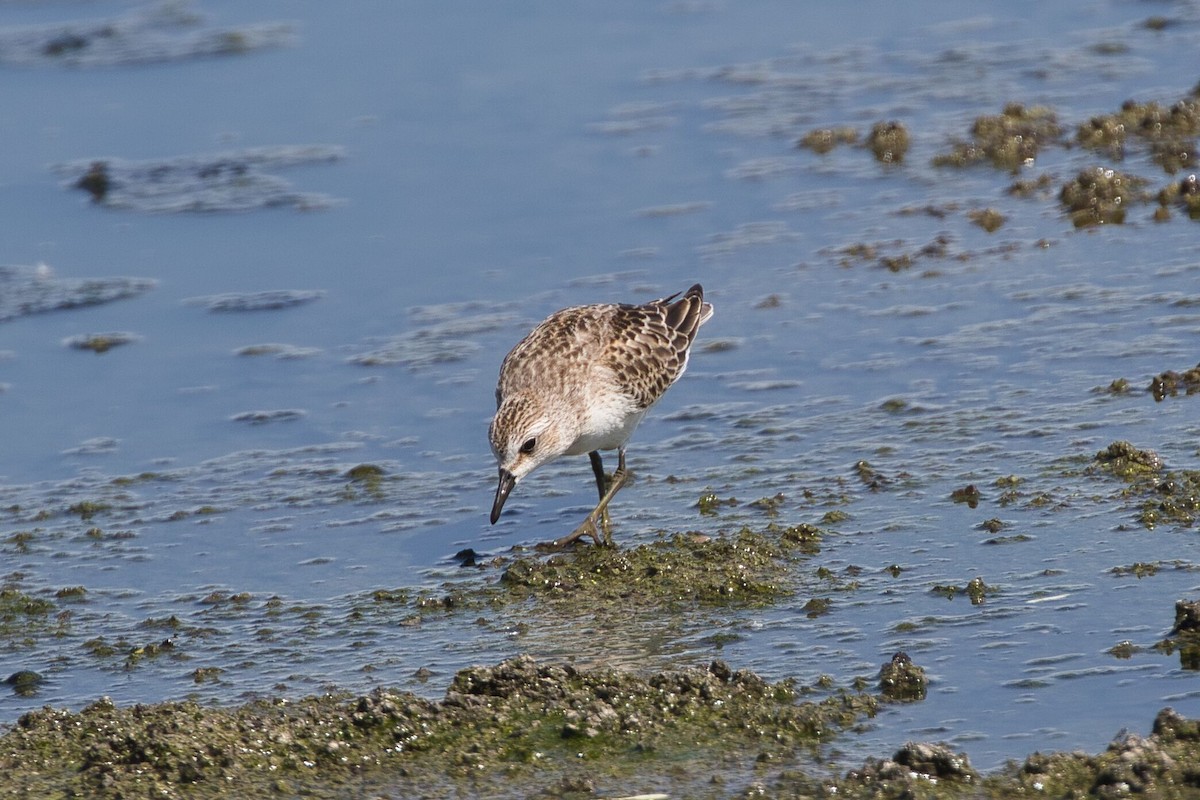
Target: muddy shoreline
(524, 729)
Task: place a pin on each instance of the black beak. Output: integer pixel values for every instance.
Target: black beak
(507, 482)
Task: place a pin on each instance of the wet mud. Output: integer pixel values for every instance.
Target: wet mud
(529, 729)
(594, 718)
(526, 728)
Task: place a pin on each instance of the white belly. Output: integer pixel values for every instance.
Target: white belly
(607, 426)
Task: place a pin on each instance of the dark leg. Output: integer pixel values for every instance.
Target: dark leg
(598, 469)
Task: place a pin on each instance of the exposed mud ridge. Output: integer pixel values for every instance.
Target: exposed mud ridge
(523, 729)
(747, 567)
(518, 724)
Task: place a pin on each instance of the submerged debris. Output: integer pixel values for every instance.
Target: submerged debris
(987, 218)
(25, 682)
(822, 140)
(1185, 635)
(900, 679)
(100, 342)
(1166, 497)
(95, 181)
(1160, 126)
(1170, 383)
(1125, 461)
(32, 290)
(233, 181)
(279, 350)
(889, 141)
(163, 32)
(968, 494)
(442, 339)
(1100, 195)
(271, 300)
(1174, 154)
(1009, 140)
(975, 589)
(1174, 499)
(1187, 618)
(1184, 193)
(273, 415)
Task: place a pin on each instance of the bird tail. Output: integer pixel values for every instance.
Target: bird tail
(689, 312)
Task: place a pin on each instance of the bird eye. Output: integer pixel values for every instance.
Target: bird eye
(528, 445)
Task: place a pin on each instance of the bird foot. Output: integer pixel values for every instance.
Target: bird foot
(600, 534)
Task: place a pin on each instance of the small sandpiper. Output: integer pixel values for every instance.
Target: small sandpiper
(581, 382)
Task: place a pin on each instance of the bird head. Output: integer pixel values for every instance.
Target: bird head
(525, 433)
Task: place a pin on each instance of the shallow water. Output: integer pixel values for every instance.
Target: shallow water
(502, 163)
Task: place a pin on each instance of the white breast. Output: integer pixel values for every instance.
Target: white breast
(608, 423)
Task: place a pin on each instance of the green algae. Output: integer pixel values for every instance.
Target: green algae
(1008, 141)
(901, 680)
(19, 541)
(710, 504)
(1101, 195)
(1041, 186)
(100, 343)
(1174, 500)
(817, 607)
(1170, 383)
(1160, 765)
(21, 614)
(1164, 497)
(1138, 569)
(1184, 193)
(1150, 122)
(1124, 650)
(401, 596)
(969, 495)
(975, 589)
(989, 219)
(86, 509)
(889, 141)
(1173, 155)
(823, 140)
(1122, 460)
(365, 479)
(518, 723)
(25, 682)
(978, 591)
(1166, 133)
(744, 568)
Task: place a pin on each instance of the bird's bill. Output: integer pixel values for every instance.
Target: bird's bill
(507, 482)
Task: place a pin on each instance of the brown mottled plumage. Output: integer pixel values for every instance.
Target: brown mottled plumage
(581, 382)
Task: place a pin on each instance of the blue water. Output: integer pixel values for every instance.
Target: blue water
(502, 161)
